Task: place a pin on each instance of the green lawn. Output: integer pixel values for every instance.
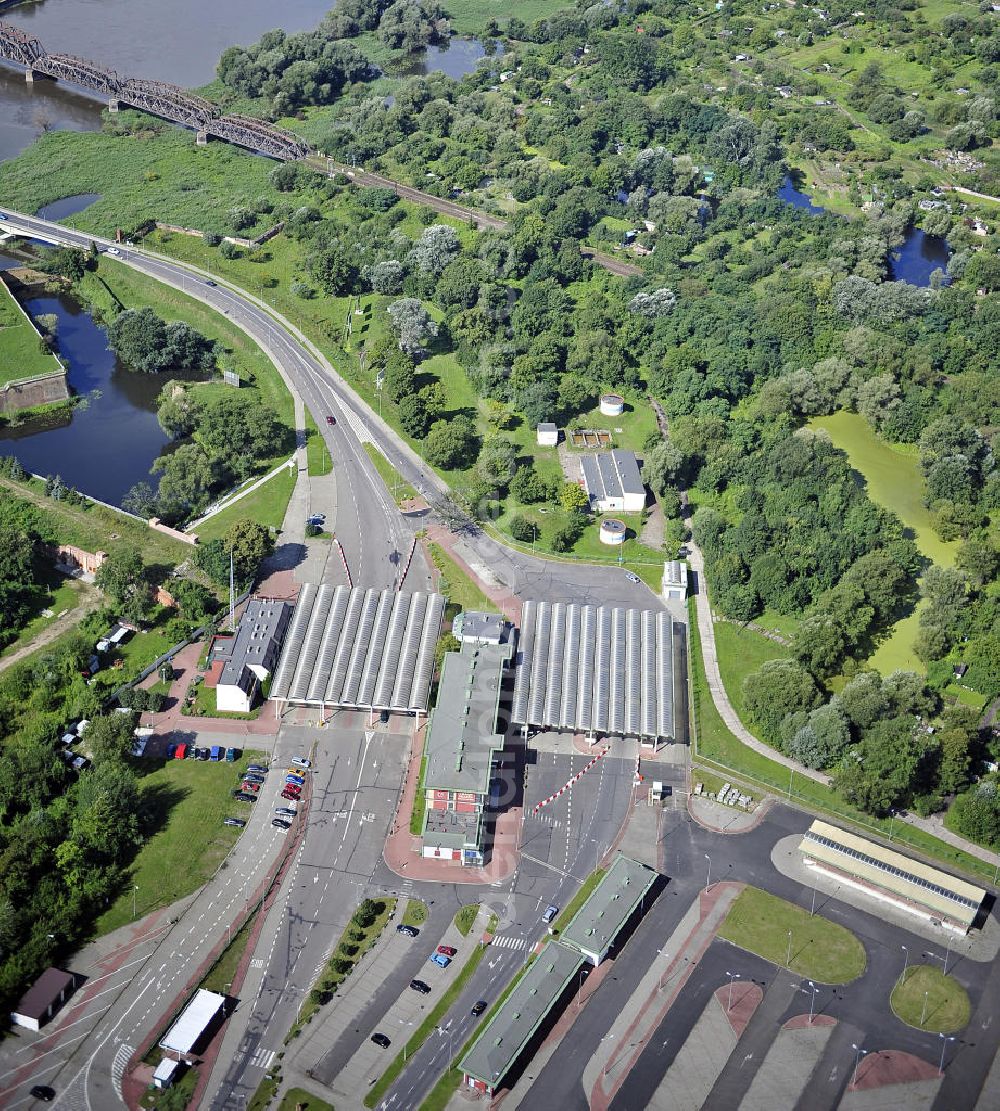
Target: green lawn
(185, 801)
(415, 913)
(470, 16)
(419, 802)
(466, 918)
(298, 1099)
(740, 652)
(22, 353)
(819, 949)
(60, 594)
(319, 461)
(402, 491)
(456, 585)
(266, 505)
(944, 1007)
(220, 975)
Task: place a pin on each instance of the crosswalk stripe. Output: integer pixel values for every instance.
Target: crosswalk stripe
(263, 1057)
(509, 942)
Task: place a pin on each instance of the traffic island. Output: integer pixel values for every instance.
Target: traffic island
(784, 934)
(925, 998)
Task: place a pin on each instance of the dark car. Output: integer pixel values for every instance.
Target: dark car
(260, 769)
(382, 1040)
(43, 1092)
(171, 749)
(284, 811)
(192, 752)
(280, 823)
(408, 930)
(419, 985)
(479, 1007)
(208, 281)
(237, 823)
(253, 777)
(330, 419)
(204, 753)
(243, 796)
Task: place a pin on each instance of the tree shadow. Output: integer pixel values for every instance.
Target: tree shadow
(158, 800)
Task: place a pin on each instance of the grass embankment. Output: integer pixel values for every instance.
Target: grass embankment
(893, 480)
(220, 976)
(266, 505)
(466, 918)
(786, 935)
(298, 1099)
(741, 651)
(400, 489)
(584, 892)
(185, 802)
(423, 1031)
(56, 594)
(419, 801)
(716, 747)
(471, 16)
(354, 942)
(462, 591)
(929, 1000)
(22, 352)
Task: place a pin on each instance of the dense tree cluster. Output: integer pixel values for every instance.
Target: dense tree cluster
(144, 341)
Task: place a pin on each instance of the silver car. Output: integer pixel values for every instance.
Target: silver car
(284, 811)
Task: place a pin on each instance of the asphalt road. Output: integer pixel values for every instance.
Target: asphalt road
(355, 787)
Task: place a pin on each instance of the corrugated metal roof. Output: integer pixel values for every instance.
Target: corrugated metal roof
(596, 669)
(359, 648)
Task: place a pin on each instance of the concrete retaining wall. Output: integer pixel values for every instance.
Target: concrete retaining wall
(43, 389)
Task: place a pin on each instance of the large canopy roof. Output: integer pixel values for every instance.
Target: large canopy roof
(595, 669)
(363, 649)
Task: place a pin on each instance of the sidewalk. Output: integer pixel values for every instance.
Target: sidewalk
(504, 599)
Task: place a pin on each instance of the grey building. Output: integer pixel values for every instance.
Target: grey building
(249, 658)
(613, 482)
(596, 925)
(472, 627)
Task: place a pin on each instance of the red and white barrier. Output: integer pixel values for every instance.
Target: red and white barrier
(347, 570)
(409, 560)
(569, 783)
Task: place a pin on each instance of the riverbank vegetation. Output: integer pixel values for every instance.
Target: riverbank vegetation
(23, 352)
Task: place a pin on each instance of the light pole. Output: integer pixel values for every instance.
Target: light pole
(579, 990)
(813, 991)
(906, 961)
(923, 1009)
(788, 956)
(944, 1045)
(135, 888)
(892, 819)
(708, 880)
(791, 773)
(733, 976)
(812, 909)
(858, 1054)
(947, 954)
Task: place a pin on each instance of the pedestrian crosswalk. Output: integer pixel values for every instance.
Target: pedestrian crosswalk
(500, 942)
(262, 1058)
(119, 1064)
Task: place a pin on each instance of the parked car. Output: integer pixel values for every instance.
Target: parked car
(285, 811)
(550, 912)
(419, 985)
(180, 751)
(171, 749)
(43, 1092)
(236, 823)
(301, 761)
(216, 752)
(281, 823)
(478, 1007)
(260, 768)
(252, 787)
(231, 755)
(317, 520)
(253, 777)
(381, 1039)
(409, 931)
(192, 752)
(244, 796)
(330, 419)
(295, 780)
(287, 793)
(448, 950)
(204, 753)
(440, 959)
(633, 577)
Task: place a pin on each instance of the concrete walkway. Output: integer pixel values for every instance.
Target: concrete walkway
(241, 493)
(785, 1070)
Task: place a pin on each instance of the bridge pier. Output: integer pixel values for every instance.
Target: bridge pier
(113, 104)
(201, 138)
(29, 75)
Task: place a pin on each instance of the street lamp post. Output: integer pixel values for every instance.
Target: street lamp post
(858, 1054)
(906, 961)
(708, 879)
(947, 954)
(944, 1045)
(812, 909)
(923, 1009)
(791, 772)
(788, 956)
(135, 888)
(813, 990)
(733, 976)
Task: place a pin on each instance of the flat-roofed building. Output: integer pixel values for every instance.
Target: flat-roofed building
(598, 923)
(613, 482)
(195, 1024)
(674, 585)
(891, 877)
(41, 1001)
(474, 627)
(249, 658)
(460, 751)
(549, 978)
(547, 434)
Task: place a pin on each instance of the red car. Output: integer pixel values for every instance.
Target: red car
(291, 789)
(289, 795)
(447, 950)
(253, 788)
(330, 420)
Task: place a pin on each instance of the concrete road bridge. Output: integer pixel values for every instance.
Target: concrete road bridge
(156, 97)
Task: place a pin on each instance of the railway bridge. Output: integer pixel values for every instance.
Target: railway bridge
(159, 98)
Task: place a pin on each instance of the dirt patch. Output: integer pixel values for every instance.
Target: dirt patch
(893, 1066)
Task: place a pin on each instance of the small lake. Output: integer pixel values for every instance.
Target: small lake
(913, 261)
(107, 445)
(67, 206)
(455, 58)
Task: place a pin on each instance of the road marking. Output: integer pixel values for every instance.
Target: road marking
(262, 1058)
(500, 942)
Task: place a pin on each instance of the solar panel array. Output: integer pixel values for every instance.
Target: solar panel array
(595, 669)
(365, 649)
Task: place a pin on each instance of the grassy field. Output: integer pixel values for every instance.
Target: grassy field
(22, 353)
(470, 16)
(60, 594)
(402, 491)
(465, 919)
(944, 1007)
(415, 913)
(775, 929)
(456, 585)
(220, 975)
(319, 461)
(266, 505)
(298, 1099)
(185, 802)
(740, 652)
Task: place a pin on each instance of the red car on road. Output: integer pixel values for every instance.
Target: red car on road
(447, 950)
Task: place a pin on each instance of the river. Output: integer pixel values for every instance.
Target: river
(179, 41)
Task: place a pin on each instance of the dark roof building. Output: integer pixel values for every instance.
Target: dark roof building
(45, 996)
(250, 657)
(613, 482)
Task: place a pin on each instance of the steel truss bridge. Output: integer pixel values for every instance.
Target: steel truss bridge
(159, 98)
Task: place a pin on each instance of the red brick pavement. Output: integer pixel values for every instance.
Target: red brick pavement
(801, 1022)
(892, 1066)
(739, 1004)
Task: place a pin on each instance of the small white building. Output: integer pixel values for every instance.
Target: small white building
(166, 1073)
(613, 482)
(674, 586)
(548, 435)
(41, 1001)
(472, 627)
(195, 1023)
